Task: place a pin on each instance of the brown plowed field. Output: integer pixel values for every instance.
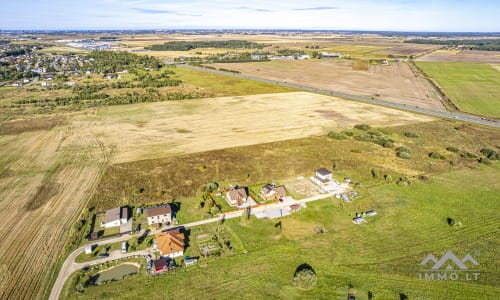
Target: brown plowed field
(394, 82)
(475, 56)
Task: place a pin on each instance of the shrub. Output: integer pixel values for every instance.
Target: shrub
(403, 154)
(452, 149)
(348, 133)
(364, 127)
(305, 277)
(469, 155)
(388, 178)
(388, 144)
(485, 160)
(403, 149)
(336, 135)
(436, 155)
(490, 154)
(137, 191)
(374, 133)
(411, 134)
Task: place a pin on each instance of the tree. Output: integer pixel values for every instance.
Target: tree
(305, 277)
(133, 243)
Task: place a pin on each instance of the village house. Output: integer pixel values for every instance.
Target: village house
(115, 217)
(160, 264)
(159, 214)
(170, 243)
(272, 192)
(322, 177)
(236, 196)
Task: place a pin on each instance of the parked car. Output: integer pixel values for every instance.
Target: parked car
(124, 247)
(104, 255)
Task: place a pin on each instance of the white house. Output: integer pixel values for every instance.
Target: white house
(322, 177)
(159, 214)
(115, 217)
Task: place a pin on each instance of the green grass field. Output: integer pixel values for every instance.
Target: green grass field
(473, 87)
(380, 257)
(215, 85)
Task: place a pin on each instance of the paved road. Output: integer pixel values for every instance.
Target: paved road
(425, 111)
(70, 266)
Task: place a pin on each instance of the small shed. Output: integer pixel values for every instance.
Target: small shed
(139, 210)
(88, 249)
(371, 213)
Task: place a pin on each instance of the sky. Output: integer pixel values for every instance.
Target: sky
(392, 15)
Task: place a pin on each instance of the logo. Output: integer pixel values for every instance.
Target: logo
(449, 267)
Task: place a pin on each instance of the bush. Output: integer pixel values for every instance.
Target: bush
(436, 155)
(364, 127)
(388, 144)
(403, 149)
(388, 178)
(485, 160)
(453, 149)
(469, 155)
(336, 135)
(403, 155)
(305, 277)
(411, 134)
(490, 154)
(348, 133)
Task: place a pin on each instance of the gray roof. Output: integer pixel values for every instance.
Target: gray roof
(323, 171)
(112, 215)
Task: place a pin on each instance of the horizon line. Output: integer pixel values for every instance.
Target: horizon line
(240, 28)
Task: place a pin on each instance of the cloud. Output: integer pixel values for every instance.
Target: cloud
(154, 11)
(317, 8)
(254, 9)
(162, 11)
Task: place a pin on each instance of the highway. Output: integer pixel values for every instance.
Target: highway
(458, 116)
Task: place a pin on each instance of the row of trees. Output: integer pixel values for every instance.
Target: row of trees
(189, 45)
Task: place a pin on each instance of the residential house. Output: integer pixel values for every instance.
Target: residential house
(272, 192)
(236, 196)
(116, 216)
(322, 177)
(159, 214)
(170, 243)
(160, 264)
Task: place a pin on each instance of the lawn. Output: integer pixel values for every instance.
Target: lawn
(380, 257)
(473, 87)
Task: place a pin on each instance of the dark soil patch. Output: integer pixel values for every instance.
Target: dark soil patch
(43, 194)
(20, 126)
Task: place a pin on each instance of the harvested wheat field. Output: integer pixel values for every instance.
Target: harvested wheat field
(46, 177)
(157, 129)
(395, 82)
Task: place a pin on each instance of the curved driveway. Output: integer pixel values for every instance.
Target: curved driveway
(70, 266)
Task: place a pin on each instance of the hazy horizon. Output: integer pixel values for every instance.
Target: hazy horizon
(357, 15)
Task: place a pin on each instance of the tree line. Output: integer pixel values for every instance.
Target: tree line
(190, 45)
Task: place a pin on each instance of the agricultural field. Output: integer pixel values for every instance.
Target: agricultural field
(46, 177)
(138, 132)
(472, 56)
(473, 87)
(380, 258)
(395, 82)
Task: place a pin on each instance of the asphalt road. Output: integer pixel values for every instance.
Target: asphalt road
(458, 116)
(70, 266)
